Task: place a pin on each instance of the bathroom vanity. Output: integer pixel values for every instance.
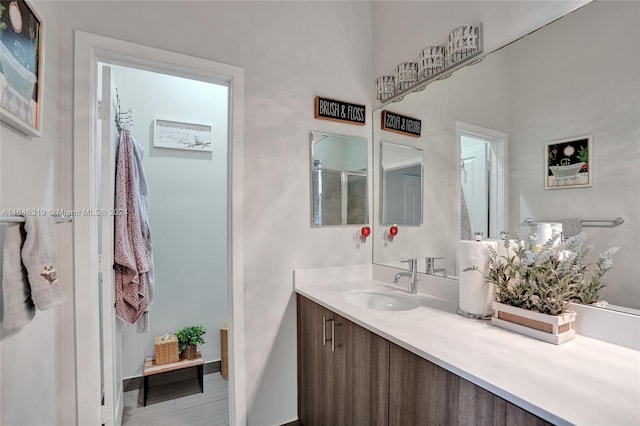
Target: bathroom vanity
(424, 364)
(351, 376)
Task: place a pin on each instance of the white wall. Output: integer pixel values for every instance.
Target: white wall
(187, 210)
(37, 363)
(562, 86)
(290, 52)
(288, 60)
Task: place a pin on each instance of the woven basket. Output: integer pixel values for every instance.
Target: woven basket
(190, 352)
(166, 350)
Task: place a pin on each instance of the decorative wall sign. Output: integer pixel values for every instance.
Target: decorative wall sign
(401, 124)
(182, 135)
(568, 163)
(330, 109)
(21, 60)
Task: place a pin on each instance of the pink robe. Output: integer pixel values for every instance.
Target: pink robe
(131, 256)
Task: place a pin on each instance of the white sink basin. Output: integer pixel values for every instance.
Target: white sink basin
(376, 299)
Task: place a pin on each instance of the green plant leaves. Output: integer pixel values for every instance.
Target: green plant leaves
(547, 281)
(191, 335)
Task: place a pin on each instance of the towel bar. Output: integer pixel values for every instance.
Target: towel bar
(20, 219)
(584, 222)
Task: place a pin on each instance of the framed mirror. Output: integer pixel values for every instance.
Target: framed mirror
(339, 180)
(401, 184)
(548, 86)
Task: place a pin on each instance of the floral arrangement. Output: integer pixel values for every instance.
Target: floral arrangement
(547, 280)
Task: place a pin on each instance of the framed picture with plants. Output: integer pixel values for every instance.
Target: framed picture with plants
(568, 163)
(21, 66)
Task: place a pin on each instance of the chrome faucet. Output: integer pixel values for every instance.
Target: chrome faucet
(431, 266)
(412, 273)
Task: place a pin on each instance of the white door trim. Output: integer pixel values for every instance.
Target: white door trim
(88, 51)
(498, 141)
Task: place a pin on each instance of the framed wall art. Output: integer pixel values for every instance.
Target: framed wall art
(569, 163)
(182, 135)
(21, 66)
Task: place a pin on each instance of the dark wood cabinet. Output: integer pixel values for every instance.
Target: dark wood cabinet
(361, 376)
(422, 393)
(343, 370)
(315, 364)
(349, 376)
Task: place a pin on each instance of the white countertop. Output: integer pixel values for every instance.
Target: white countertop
(583, 382)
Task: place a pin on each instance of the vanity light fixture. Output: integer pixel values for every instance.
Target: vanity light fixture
(406, 75)
(436, 62)
(432, 60)
(463, 41)
(385, 87)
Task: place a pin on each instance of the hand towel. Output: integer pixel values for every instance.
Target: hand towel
(39, 257)
(465, 220)
(571, 227)
(18, 308)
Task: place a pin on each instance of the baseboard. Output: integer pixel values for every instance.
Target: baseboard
(212, 367)
(293, 423)
(135, 383)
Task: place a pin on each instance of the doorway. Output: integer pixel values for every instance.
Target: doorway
(482, 181)
(187, 186)
(402, 189)
(98, 405)
(476, 158)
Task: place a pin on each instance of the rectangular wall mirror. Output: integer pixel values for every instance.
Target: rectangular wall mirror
(401, 185)
(542, 88)
(339, 180)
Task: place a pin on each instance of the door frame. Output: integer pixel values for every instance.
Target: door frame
(478, 152)
(498, 185)
(89, 50)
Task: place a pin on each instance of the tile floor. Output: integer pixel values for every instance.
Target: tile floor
(175, 399)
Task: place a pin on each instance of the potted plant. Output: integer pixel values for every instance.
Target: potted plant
(188, 340)
(3, 26)
(534, 289)
(583, 157)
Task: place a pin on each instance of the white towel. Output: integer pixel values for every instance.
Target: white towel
(39, 257)
(29, 277)
(571, 227)
(143, 205)
(17, 307)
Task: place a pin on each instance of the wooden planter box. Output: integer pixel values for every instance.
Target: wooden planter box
(549, 328)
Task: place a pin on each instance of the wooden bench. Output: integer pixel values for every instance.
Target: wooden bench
(151, 368)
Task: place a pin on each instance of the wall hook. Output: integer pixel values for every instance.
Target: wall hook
(390, 233)
(365, 232)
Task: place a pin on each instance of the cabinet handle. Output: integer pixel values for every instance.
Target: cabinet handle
(324, 330)
(333, 336)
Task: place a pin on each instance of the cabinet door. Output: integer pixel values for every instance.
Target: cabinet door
(361, 376)
(315, 364)
(421, 393)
